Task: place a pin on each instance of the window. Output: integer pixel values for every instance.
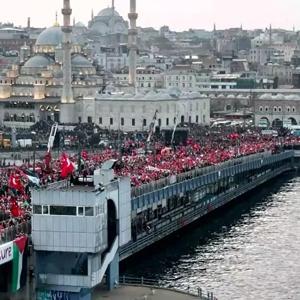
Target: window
(294, 109)
(45, 210)
(37, 209)
(167, 121)
(89, 211)
(122, 122)
(63, 210)
(80, 211)
(111, 121)
(266, 108)
(100, 120)
(261, 108)
(279, 109)
(144, 122)
(190, 119)
(90, 120)
(79, 119)
(275, 109)
(133, 122)
(197, 119)
(159, 122)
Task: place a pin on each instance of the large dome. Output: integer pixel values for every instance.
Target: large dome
(51, 36)
(81, 61)
(38, 61)
(108, 12)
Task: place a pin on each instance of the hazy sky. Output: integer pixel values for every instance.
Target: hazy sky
(179, 15)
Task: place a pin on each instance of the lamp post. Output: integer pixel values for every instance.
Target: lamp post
(34, 148)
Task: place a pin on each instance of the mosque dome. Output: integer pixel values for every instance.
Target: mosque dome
(50, 36)
(81, 61)
(108, 12)
(38, 61)
(79, 25)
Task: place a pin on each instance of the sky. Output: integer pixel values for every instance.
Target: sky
(178, 15)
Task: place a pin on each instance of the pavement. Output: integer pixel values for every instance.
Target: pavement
(140, 293)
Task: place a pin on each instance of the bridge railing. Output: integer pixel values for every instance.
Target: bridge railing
(154, 283)
(12, 232)
(156, 185)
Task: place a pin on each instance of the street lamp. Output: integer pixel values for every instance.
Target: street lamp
(34, 148)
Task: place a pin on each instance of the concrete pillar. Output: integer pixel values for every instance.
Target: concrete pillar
(112, 273)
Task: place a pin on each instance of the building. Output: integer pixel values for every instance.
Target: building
(77, 231)
(261, 55)
(277, 110)
(32, 90)
(134, 112)
(13, 39)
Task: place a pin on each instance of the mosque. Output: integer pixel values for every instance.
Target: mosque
(58, 81)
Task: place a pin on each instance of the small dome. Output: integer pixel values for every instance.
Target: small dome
(38, 61)
(79, 25)
(108, 12)
(50, 36)
(81, 61)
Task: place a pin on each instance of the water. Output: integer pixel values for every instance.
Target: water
(247, 251)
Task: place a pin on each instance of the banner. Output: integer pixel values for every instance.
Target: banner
(6, 253)
(19, 247)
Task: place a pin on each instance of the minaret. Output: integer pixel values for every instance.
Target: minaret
(132, 43)
(28, 23)
(113, 16)
(92, 15)
(67, 93)
(270, 35)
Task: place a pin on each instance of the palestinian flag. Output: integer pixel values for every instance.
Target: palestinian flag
(18, 263)
(32, 177)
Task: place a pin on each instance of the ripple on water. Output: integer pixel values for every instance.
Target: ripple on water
(252, 253)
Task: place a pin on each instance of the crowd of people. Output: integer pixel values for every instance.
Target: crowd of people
(142, 162)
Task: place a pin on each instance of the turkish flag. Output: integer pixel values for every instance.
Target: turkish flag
(15, 210)
(66, 166)
(15, 183)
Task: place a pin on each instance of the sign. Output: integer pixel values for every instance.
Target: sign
(6, 253)
(52, 295)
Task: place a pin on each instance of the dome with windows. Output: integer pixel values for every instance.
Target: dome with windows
(108, 21)
(38, 61)
(108, 12)
(80, 61)
(50, 36)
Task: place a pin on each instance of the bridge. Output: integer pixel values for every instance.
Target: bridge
(82, 232)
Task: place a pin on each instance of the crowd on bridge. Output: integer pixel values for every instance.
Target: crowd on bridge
(142, 162)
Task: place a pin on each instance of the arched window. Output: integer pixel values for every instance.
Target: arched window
(261, 108)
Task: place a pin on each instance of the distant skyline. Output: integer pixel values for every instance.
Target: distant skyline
(178, 15)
